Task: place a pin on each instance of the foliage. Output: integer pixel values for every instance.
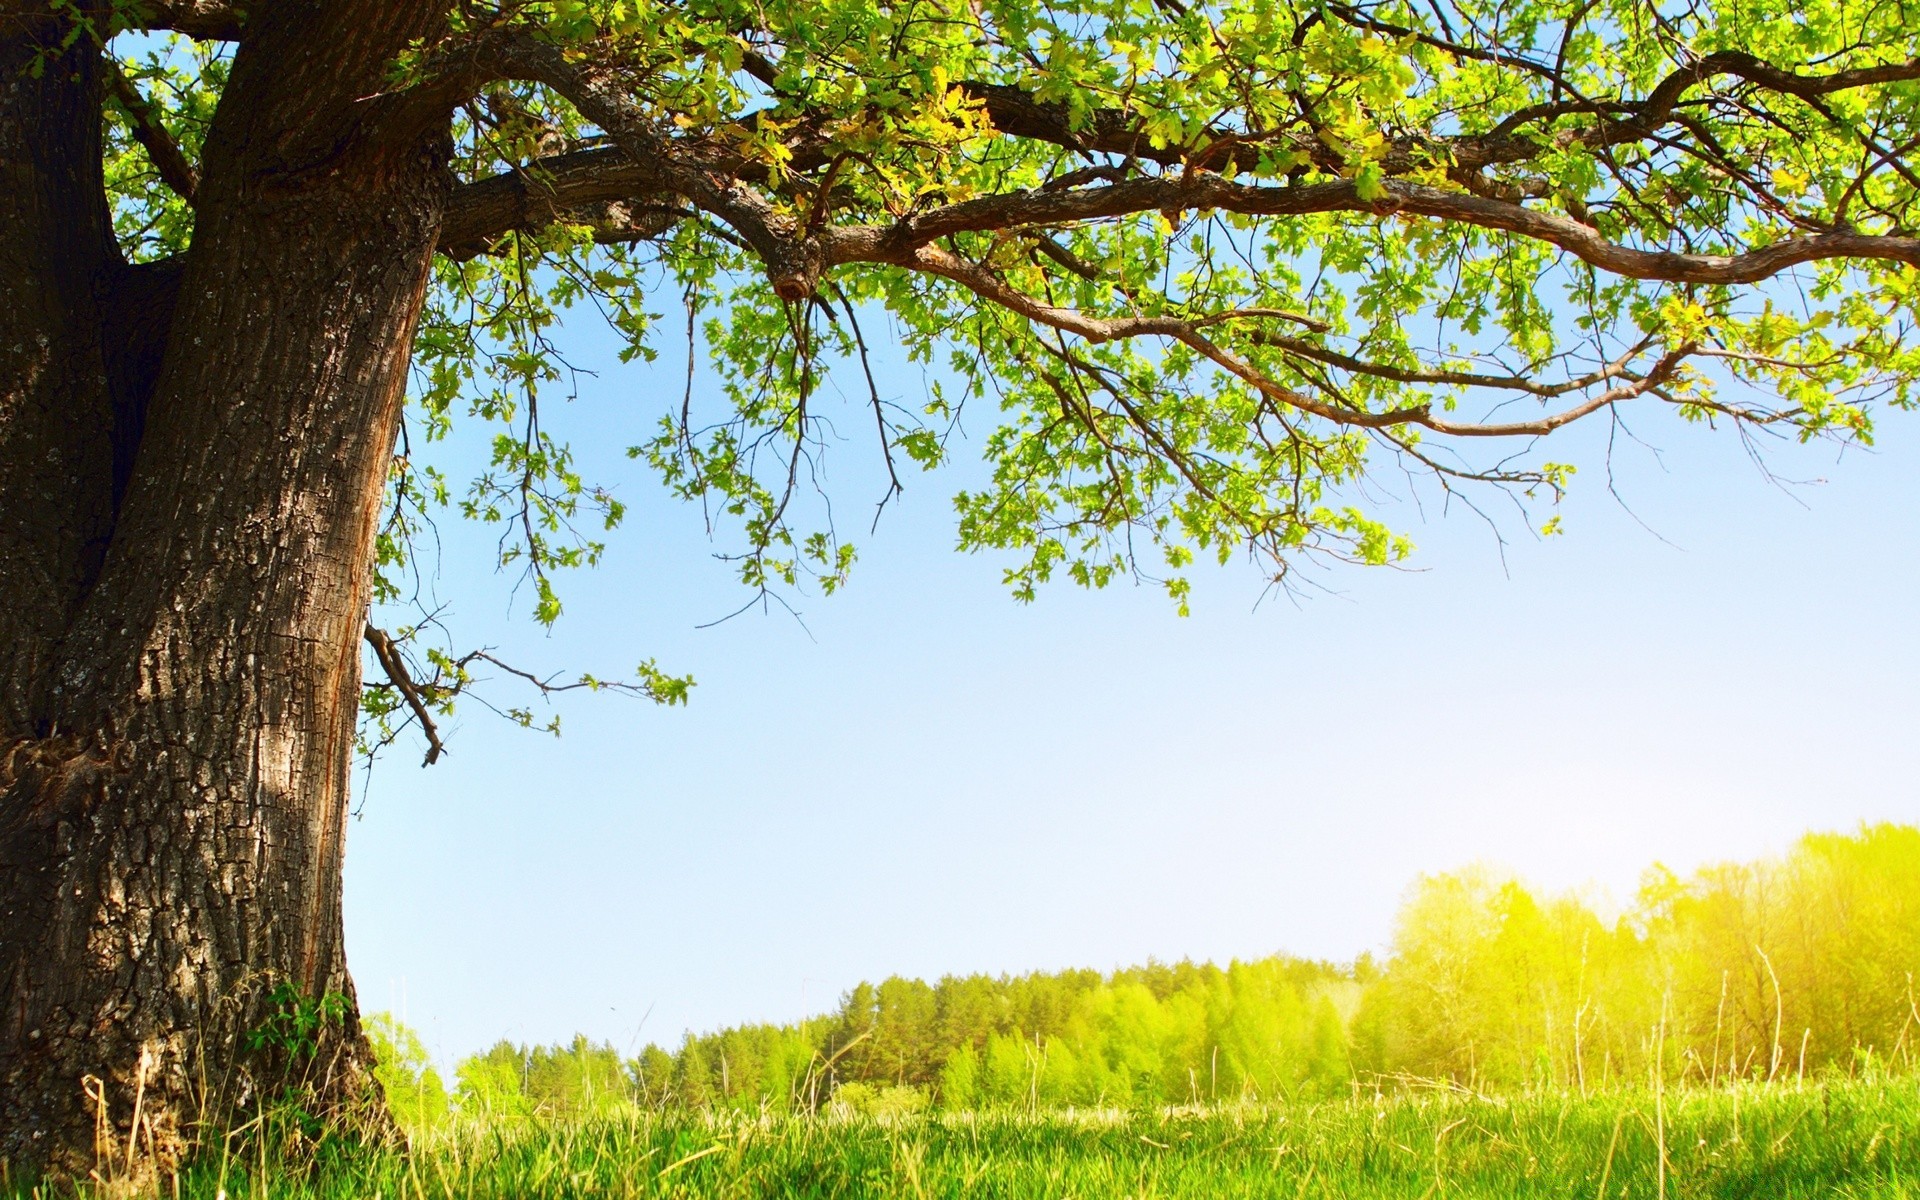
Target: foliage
(1769, 971)
(510, 1081)
(1757, 971)
(491, 1084)
(1195, 274)
(295, 1021)
(414, 1092)
(1143, 1037)
(864, 1101)
(1760, 971)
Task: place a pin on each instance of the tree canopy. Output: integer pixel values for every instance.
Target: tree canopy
(1206, 267)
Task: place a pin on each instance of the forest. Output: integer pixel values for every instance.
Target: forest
(1797, 967)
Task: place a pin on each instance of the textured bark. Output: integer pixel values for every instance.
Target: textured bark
(56, 245)
(191, 464)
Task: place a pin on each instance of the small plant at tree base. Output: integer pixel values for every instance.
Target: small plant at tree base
(296, 1022)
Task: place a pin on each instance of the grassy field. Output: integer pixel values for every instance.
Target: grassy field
(1843, 1139)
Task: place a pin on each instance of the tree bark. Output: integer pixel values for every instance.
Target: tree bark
(192, 458)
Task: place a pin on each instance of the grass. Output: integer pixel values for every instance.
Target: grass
(1849, 1139)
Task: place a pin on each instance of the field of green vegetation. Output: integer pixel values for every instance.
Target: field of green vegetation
(1842, 1138)
(1751, 1031)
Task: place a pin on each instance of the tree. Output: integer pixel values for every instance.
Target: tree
(494, 1084)
(1211, 263)
(414, 1092)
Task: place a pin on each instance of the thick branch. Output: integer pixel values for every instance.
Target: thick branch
(650, 160)
(707, 176)
(1015, 111)
(547, 191)
(896, 242)
(541, 194)
(1766, 75)
(206, 20)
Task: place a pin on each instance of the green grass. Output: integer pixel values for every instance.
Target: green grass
(1844, 1139)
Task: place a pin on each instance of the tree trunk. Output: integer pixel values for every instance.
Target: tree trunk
(180, 636)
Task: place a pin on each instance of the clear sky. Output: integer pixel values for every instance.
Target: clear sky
(929, 778)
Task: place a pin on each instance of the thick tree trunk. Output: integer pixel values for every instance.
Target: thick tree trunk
(180, 646)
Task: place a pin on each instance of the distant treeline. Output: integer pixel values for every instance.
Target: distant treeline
(1758, 971)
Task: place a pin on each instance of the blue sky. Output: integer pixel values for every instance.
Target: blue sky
(929, 778)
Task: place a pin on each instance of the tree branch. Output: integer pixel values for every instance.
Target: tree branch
(562, 187)
(1199, 191)
(1614, 370)
(989, 287)
(649, 160)
(706, 175)
(395, 667)
(203, 20)
(1015, 111)
(483, 210)
(162, 151)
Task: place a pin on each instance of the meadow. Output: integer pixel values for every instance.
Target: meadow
(1752, 1031)
(1855, 1138)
